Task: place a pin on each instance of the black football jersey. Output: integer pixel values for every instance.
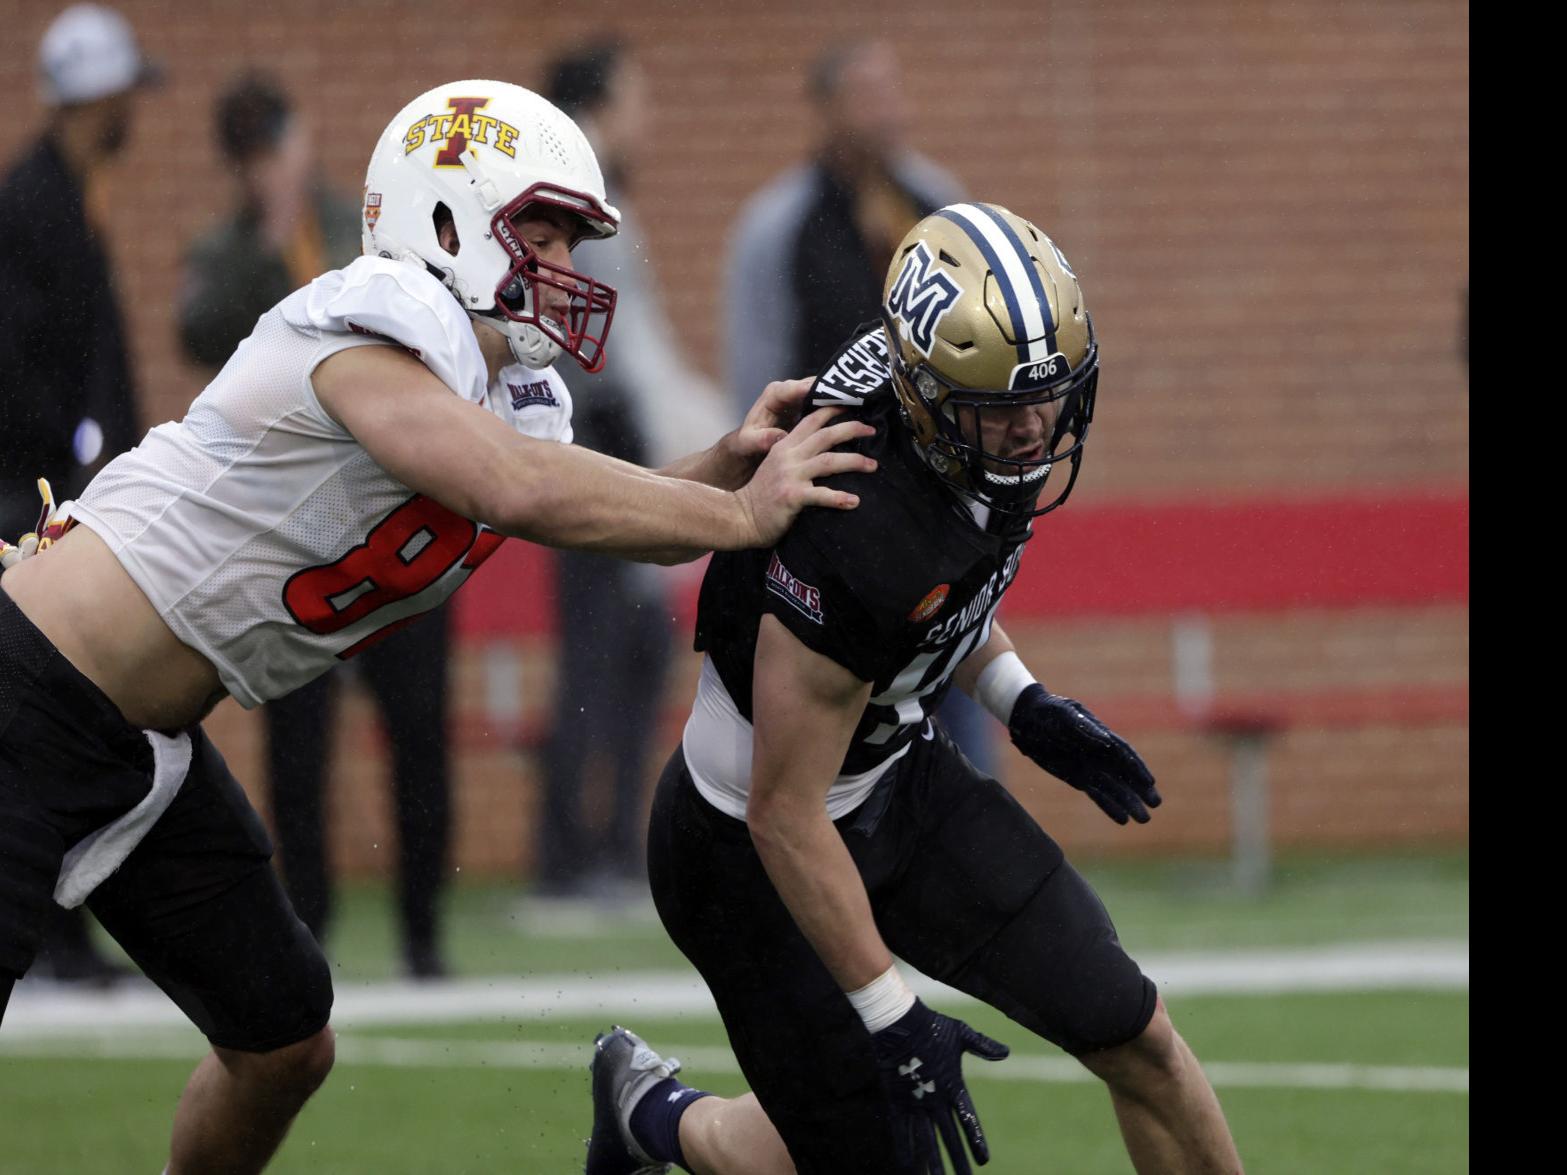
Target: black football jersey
(898, 591)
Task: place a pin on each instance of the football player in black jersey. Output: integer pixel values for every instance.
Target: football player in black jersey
(815, 822)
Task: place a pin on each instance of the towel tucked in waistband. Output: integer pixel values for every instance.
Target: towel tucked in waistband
(98, 854)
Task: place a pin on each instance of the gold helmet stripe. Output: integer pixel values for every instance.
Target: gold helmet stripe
(1015, 275)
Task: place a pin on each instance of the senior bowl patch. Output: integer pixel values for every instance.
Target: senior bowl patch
(931, 604)
(536, 392)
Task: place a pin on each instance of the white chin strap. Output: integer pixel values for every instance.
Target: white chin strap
(530, 346)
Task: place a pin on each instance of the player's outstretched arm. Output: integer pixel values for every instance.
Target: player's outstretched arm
(733, 458)
(561, 495)
(805, 709)
(1059, 734)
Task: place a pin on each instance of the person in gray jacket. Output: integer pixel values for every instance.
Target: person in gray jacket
(810, 250)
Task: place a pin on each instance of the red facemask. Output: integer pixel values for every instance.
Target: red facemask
(590, 305)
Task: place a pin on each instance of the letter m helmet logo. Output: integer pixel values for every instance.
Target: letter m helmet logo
(921, 296)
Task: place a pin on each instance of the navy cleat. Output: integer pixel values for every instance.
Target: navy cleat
(623, 1069)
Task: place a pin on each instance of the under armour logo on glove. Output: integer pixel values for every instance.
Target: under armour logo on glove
(921, 1088)
(921, 1058)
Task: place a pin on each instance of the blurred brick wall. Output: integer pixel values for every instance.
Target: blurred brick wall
(1268, 203)
(1375, 786)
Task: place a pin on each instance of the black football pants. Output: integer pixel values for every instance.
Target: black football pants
(195, 904)
(964, 885)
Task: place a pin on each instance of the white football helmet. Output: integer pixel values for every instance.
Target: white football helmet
(486, 151)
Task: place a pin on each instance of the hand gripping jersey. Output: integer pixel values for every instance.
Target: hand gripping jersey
(898, 592)
(266, 537)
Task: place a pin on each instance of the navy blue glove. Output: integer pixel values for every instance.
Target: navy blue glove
(921, 1059)
(1069, 742)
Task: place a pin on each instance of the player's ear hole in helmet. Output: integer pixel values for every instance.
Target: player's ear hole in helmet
(986, 321)
(446, 230)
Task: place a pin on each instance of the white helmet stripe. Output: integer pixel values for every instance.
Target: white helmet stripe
(1019, 282)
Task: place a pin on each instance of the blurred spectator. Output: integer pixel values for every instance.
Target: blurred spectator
(810, 252)
(67, 394)
(647, 405)
(66, 386)
(286, 229)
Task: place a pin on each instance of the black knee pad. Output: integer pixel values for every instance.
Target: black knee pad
(1112, 1000)
(246, 971)
(286, 999)
(303, 1005)
(1059, 970)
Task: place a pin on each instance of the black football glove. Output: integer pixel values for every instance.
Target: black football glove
(1064, 738)
(921, 1059)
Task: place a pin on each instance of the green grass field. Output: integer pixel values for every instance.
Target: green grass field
(1322, 1082)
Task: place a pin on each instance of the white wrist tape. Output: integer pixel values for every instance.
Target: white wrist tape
(883, 1000)
(1000, 683)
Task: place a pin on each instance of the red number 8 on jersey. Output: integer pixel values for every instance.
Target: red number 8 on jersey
(407, 551)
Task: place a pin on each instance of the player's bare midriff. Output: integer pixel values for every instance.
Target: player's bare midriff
(79, 596)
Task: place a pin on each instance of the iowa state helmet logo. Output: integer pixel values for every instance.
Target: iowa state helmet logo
(457, 127)
(921, 296)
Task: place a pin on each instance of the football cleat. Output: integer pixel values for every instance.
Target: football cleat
(623, 1069)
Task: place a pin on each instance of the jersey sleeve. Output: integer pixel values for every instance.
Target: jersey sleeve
(811, 597)
(394, 302)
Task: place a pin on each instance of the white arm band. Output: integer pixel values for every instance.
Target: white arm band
(883, 1000)
(1000, 683)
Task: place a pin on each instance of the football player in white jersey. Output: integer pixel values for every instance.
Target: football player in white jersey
(372, 441)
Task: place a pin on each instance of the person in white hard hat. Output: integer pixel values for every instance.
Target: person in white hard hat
(67, 395)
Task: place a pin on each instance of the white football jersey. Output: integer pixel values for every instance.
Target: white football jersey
(266, 537)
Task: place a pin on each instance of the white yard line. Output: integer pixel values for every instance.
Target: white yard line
(42, 1009)
(473, 1054)
(140, 1022)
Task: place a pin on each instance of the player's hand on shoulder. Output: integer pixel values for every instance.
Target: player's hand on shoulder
(1067, 740)
(775, 412)
(921, 1060)
(779, 407)
(783, 484)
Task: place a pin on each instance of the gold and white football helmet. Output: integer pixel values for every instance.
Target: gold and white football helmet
(982, 313)
(487, 151)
